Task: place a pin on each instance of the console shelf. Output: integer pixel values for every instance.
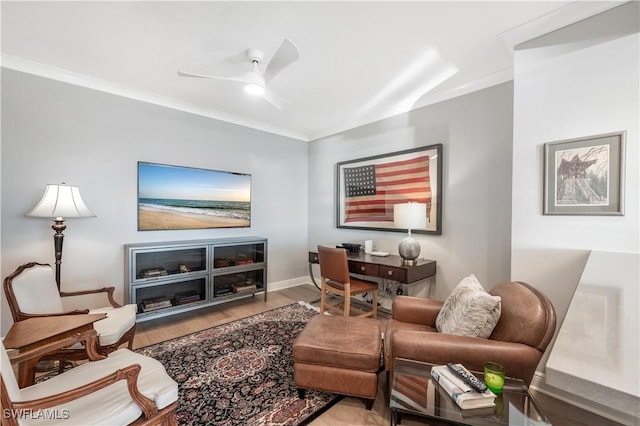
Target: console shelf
(166, 278)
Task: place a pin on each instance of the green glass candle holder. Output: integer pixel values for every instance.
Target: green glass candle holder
(494, 377)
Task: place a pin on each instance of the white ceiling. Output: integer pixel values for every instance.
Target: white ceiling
(360, 61)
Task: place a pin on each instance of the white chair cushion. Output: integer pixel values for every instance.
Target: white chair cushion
(36, 291)
(111, 405)
(117, 322)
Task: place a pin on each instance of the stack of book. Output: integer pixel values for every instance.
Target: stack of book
(223, 291)
(464, 395)
(154, 303)
(156, 272)
(242, 287)
(187, 297)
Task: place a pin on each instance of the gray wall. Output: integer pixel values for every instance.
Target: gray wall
(476, 131)
(54, 132)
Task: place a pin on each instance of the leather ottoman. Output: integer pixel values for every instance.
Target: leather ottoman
(339, 355)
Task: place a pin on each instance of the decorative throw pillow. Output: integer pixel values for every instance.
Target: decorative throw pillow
(469, 310)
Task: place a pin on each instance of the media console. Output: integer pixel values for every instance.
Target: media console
(167, 278)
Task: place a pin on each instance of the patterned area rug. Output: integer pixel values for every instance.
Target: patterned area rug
(241, 373)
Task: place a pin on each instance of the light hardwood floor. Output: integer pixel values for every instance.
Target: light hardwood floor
(349, 411)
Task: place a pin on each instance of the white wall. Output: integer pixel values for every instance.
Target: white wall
(54, 132)
(476, 132)
(579, 81)
(584, 85)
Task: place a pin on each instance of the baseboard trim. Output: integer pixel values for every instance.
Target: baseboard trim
(539, 384)
(293, 282)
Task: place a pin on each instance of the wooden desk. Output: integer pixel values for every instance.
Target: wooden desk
(388, 267)
(34, 332)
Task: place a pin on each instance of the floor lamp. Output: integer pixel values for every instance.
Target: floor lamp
(60, 202)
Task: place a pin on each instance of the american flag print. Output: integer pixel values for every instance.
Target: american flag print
(372, 190)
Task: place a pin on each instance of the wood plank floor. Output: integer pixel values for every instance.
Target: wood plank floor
(349, 411)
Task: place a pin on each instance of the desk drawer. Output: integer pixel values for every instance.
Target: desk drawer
(394, 274)
(363, 268)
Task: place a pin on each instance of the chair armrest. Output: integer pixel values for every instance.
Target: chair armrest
(24, 316)
(129, 373)
(416, 310)
(86, 337)
(108, 290)
(519, 360)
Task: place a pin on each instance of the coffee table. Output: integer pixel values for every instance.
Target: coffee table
(413, 392)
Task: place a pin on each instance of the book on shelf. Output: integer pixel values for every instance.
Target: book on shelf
(185, 300)
(155, 308)
(187, 297)
(156, 272)
(238, 288)
(223, 291)
(156, 303)
(464, 395)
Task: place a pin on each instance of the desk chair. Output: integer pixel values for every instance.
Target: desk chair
(32, 292)
(334, 270)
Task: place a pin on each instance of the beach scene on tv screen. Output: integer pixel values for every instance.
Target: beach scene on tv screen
(176, 197)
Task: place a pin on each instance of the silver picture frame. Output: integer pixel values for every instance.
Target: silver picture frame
(585, 176)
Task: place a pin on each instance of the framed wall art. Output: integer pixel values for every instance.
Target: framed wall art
(368, 188)
(585, 176)
(177, 197)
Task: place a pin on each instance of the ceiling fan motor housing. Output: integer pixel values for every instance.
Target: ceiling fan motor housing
(255, 55)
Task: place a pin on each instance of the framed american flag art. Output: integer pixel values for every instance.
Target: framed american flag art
(368, 188)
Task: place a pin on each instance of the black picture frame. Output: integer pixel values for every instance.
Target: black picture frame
(174, 197)
(412, 175)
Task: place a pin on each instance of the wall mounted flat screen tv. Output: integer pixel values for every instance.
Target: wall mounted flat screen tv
(177, 197)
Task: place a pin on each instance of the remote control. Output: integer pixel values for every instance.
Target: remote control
(467, 377)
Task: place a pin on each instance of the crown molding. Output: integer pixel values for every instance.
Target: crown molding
(35, 68)
(429, 98)
(562, 17)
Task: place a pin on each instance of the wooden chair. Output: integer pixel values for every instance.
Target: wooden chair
(334, 270)
(32, 291)
(124, 388)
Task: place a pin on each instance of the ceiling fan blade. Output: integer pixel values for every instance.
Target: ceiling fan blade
(286, 54)
(275, 100)
(240, 78)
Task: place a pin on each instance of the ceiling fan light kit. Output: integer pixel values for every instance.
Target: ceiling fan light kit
(256, 81)
(254, 89)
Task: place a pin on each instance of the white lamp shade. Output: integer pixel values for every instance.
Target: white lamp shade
(410, 215)
(62, 201)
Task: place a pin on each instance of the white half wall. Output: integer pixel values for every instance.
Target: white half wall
(598, 347)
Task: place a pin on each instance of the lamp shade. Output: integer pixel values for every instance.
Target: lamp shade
(410, 215)
(61, 201)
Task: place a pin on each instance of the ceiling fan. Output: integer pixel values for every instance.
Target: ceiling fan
(255, 80)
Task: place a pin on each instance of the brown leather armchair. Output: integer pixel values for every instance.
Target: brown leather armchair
(526, 326)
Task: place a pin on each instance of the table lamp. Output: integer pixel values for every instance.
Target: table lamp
(60, 202)
(408, 216)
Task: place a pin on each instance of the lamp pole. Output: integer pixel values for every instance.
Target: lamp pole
(58, 238)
